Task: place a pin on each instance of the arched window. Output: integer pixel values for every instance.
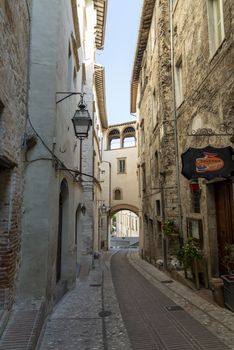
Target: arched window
(114, 139)
(117, 194)
(129, 139)
(129, 130)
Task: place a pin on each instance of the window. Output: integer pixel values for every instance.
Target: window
(216, 26)
(114, 139)
(154, 110)
(74, 78)
(115, 143)
(143, 178)
(139, 180)
(1, 108)
(142, 131)
(179, 83)
(195, 202)
(121, 166)
(69, 68)
(117, 194)
(195, 230)
(129, 139)
(158, 207)
(153, 33)
(156, 165)
(83, 74)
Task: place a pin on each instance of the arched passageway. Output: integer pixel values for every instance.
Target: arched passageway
(123, 206)
(124, 229)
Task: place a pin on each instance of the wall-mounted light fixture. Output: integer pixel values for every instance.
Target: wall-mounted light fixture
(103, 208)
(82, 208)
(81, 122)
(81, 119)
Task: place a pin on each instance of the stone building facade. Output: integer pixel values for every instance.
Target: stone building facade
(47, 182)
(181, 89)
(203, 51)
(100, 125)
(14, 36)
(151, 98)
(127, 224)
(118, 173)
(58, 225)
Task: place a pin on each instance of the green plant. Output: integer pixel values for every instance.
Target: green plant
(228, 259)
(188, 252)
(170, 228)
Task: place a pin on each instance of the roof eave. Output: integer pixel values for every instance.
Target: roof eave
(143, 34)
(99, 72)
(101, 8)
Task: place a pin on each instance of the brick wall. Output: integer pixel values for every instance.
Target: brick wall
(13, 88)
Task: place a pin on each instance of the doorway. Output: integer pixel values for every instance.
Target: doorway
(78, 237)
(62, 227)
(225, 219)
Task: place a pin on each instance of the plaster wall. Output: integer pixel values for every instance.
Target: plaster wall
(56, 145)
(127, 182)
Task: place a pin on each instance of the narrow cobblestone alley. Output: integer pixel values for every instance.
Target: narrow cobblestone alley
(156, 315)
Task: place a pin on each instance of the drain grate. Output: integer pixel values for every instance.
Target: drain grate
(95, 285)
(173, 308)
(167, 281)
(105, 313)
(23, 330)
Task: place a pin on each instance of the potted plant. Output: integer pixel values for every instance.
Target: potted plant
(190, 256)
(228, 279)
(189, 253)
(170, 229)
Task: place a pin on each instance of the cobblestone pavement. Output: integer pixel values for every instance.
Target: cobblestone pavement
(78, 323)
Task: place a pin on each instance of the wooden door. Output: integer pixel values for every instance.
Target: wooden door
(225, 218)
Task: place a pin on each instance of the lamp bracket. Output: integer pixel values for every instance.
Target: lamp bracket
(69, 94)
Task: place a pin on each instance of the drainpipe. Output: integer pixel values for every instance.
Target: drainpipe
(175, 122)
(28, 63)
(164, 242)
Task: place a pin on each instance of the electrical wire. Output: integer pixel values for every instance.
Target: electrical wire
(55, 158)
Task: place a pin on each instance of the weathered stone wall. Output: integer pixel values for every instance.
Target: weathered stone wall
(208, 84)
(156, 119)
(14, 29)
